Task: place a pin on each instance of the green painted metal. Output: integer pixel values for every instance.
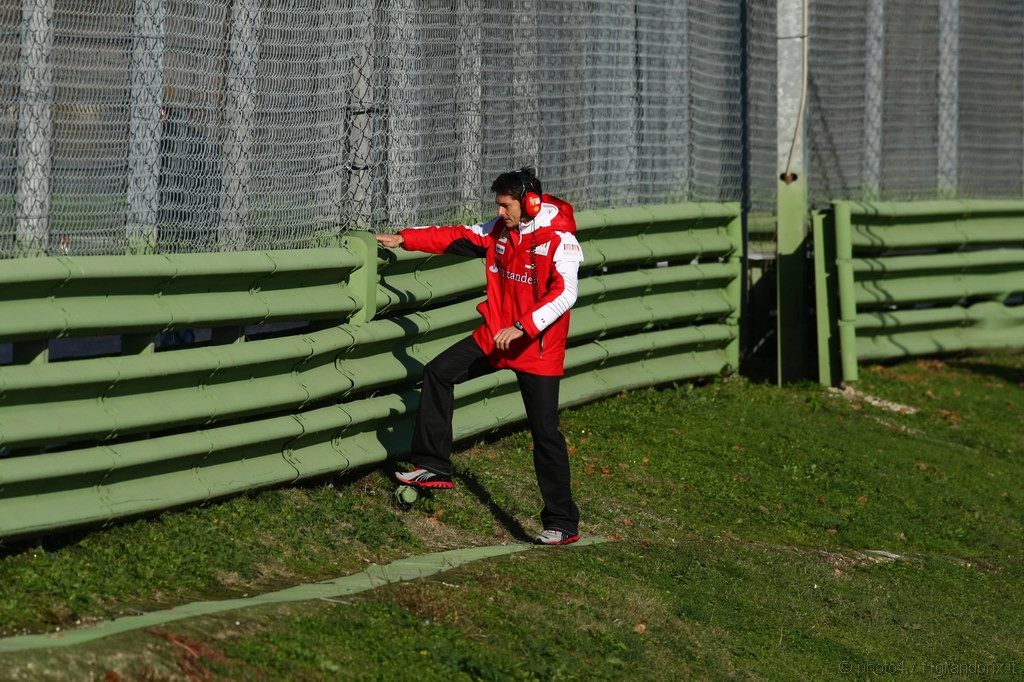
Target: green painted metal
(825, 298)
(939, 286)
(792, 277)
(761, 228)
(134, 477)
(49, 298)
(734, 290)
(847, 298)
(923, 278)
(412, 568)
(963, 208)
(363, 280)
(107, 397)
(791, 164)
(274, 411)
(904, 333)
(951, 263)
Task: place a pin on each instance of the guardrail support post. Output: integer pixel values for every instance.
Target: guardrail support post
(847, 296)
(826, 298)
(735, 290)
(363, 281)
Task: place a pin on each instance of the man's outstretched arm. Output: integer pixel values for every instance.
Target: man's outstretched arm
(391, 241)
(456, 240)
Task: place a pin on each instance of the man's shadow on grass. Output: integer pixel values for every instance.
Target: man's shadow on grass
(471, 483)
(507, 520)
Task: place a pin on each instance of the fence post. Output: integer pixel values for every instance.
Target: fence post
(144, 148)
(791, 257)
(874, 88)
(847, 295)
(243, 58)
(402, 100)
(35, 127)
(358, 199)
(949, 97)
(735, 288)
(525, 89)
(469, 16)
(826, 298)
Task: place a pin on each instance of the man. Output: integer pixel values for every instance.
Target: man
(532, 260)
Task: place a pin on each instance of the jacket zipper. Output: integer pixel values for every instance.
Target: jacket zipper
(515, 251)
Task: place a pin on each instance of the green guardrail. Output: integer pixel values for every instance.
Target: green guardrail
(916, 278)
(50, 298)
(91, 440)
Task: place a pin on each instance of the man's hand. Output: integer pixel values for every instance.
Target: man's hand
(504, 338)
(391, 241)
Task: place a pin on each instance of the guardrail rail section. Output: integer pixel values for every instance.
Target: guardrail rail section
(917, 278)
(87, 441)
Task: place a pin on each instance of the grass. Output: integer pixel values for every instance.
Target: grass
(757, 533)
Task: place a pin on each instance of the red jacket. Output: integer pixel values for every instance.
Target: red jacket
(531, 278)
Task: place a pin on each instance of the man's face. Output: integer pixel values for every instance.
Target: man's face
(509, 210)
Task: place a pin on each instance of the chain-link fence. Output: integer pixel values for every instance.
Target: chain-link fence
(200, 125)
(197, 125)
(916, 100)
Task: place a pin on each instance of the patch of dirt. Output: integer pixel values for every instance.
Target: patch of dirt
(856, 397)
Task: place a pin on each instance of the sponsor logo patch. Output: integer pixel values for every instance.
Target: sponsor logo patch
(515, 277)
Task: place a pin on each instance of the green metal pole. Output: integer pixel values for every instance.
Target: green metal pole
(792, 205)
(734, 290)
(847, 292)
(826, 299)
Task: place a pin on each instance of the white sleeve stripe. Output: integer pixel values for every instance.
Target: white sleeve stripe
(546, 315)
(482, 229)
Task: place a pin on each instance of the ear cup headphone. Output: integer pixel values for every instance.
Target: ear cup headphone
(528, 199)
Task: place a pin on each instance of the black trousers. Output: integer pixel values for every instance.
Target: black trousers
(432, 434)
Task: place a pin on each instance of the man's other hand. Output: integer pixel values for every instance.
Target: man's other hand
(391, 241)
(504, 338)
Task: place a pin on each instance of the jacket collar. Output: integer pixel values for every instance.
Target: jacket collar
(527, 228)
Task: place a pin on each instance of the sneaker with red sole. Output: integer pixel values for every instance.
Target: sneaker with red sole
(423, 478)
(555, 537)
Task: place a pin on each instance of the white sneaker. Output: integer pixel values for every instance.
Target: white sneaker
(555, 537)
(423, 478)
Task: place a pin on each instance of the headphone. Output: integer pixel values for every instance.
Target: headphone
(528, 199)
(531, 203)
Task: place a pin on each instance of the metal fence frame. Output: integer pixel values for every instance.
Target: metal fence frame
(894, 280)
(91, 440)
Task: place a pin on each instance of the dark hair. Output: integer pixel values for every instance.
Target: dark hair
(517, 183)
